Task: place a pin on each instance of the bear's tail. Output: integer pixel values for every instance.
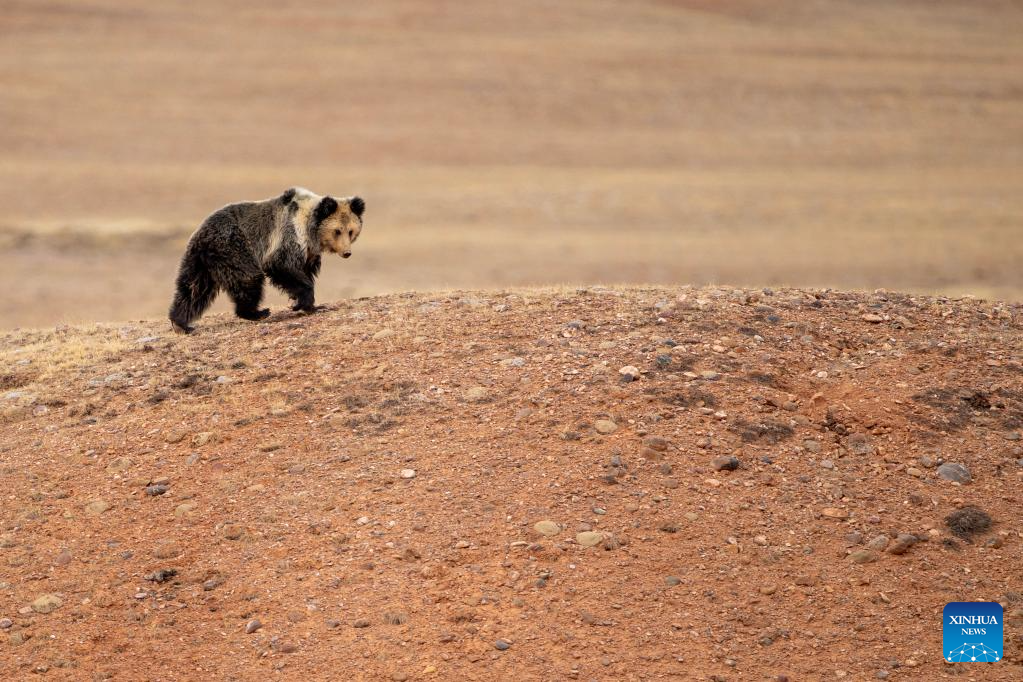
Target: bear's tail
(194, 292)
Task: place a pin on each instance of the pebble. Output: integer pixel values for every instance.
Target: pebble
(725, 463)
(672, 580)
(155, 490)
(408, 473)
(872, 318)
(589, 538)
(167, 549)
(629, 373)
(952, 471)
(47, 603)
(879, 543)
(547, 528)
(184, 509)
(863, 556)
(813, 446)
(913, 471)
(768, 589)
(6, 623)
(833, 513)
(656, 443)
(476, 394)
(502, 645)
(361, 623)
(605, 426)
(162, 575)
(97, 507)
(252, 626)
(902, 543)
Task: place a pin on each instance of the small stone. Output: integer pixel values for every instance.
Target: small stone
(902, 543)
(252, 626)
(547, 528)
(408, 473)
(629, 373)
(859, 444)
(913, 471)
(725, 463)
(167, 549)
(952, 471)
(863, 556)
(827, 464)
(812, 446)
(760, 540)
(184, 510)
(156, 490)
(650, 455)
(768, 589)
(213, 583)
(834, 513)
(872, 318)
(233, 531)
(994, 543)
(97, 507)
(672, 580)
(361, 623)
(6, 623)
(879, 543)
(162, 575)
(47, 603)
(119, 464)
(502, 645)
(476, 394)
(589, 538)
(605, 426)
(656, 443)
(204, 438)
(62, 559)
(383, 334)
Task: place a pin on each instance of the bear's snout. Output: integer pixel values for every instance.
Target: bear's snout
(346, 254)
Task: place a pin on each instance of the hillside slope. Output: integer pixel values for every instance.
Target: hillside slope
(360, 489)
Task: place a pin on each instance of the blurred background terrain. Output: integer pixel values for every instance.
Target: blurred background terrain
(853, 144)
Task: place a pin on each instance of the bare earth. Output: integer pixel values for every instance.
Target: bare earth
(360, 489)
(846, 143)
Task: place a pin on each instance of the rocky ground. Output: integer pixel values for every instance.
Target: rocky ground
(641, 483)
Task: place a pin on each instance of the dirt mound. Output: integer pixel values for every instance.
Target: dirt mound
(561, 484)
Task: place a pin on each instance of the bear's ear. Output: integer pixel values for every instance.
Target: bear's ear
(325, 209)
(288, 195)
(358, 206)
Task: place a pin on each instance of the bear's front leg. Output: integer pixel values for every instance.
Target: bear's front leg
(297, 286)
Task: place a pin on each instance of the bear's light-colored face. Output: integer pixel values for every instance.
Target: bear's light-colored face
(340, 230)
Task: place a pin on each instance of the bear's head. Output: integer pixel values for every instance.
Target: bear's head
(339, 222)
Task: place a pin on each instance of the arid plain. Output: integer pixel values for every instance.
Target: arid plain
(845, 144)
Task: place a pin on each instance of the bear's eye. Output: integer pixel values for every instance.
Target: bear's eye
(337, 233)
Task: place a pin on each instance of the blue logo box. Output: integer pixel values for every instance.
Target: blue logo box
(972, 632)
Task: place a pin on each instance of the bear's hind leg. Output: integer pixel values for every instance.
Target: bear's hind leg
(247, 295)
(194, 292)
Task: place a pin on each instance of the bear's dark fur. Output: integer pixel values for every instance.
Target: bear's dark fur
(237, 247)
